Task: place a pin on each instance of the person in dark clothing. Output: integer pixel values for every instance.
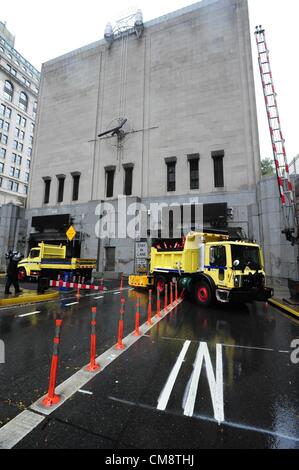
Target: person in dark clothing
(13, 258)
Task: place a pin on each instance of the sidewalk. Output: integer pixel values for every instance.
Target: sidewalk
(28, 296)
(281, 298)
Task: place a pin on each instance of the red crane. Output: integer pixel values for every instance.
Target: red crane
(285, 185)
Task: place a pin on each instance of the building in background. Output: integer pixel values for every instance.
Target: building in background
(183, 87)
(19, 86)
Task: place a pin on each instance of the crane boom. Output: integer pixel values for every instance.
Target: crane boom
(285, 185)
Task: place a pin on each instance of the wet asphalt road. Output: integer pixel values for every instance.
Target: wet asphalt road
(260, 398)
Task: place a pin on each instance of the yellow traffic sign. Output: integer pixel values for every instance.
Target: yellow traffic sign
(71, 233)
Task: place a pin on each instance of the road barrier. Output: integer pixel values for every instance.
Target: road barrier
(158, 304)
(120, 345)
(166, 297)
(78, 286)
(137, 318)
(176, 292)
(93, 366)
(171, 293)
(52, 399)
(150, 307)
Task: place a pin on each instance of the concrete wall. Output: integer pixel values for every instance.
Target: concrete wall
(13, 227)
(281, 258)
(186, 85)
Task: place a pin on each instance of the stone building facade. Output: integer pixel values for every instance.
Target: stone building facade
(184, 91)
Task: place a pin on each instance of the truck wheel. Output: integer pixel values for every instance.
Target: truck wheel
(22, 275)
(203, 294)
(160, 283)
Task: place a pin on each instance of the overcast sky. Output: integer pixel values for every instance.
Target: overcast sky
(49, 28)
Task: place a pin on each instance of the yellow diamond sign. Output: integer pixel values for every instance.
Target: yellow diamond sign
(71, 233)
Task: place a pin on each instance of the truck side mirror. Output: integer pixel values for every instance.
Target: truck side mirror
(236, 263)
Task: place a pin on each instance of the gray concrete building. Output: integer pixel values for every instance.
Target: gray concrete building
(184, 84)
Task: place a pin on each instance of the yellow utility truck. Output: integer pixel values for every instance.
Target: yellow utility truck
(50, 261)
(209, 266)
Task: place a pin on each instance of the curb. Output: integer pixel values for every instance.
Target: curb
(286, 308)
(28, 298)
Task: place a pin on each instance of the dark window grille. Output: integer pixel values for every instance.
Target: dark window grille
(76, 182)
(109, 182)
(218, 170)
(194, 173)
(47, 191)
(171, 166)
(128, 181)
(60, 189)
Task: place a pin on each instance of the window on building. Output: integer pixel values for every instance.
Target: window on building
(110, 172)
(12, 186)
(27, 177)
(6, 126)
(8, 90)
(8, 113)
(61, 181)
(1, 123)
(2, 153)
(32, 127)
(171, 174)
(31, 140)
(21, 121)
(194, 171)
(218, 168)
(3, 139)
(12, 171)
(23, 101)
(128, 184)
(29, 152)
(28, 164)
(2, 109)
(47, 182)
(1, 181)
(76, 183)
(26, 190)
(1, 167)
(17, 173)
(34, 110)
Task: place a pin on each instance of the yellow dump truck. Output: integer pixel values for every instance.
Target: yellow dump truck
(50, 260)
(209, 266)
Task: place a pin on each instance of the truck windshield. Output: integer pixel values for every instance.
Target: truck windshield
(34, 253)
(247, 256)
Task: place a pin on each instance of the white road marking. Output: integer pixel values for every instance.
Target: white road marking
(247, 347)
(14, 431)
(215, 384)
(100, 297)
(28, 314)
(70, 305)
(211, 420)
(116, 293)
(284, 352)
(166, 392)
(85, 392)
(18, 428)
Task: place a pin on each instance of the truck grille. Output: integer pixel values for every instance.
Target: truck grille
(253, 280)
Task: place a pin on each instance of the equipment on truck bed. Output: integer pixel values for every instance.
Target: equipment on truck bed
(209, 266)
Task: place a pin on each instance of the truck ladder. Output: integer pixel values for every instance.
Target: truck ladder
(285, 185)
